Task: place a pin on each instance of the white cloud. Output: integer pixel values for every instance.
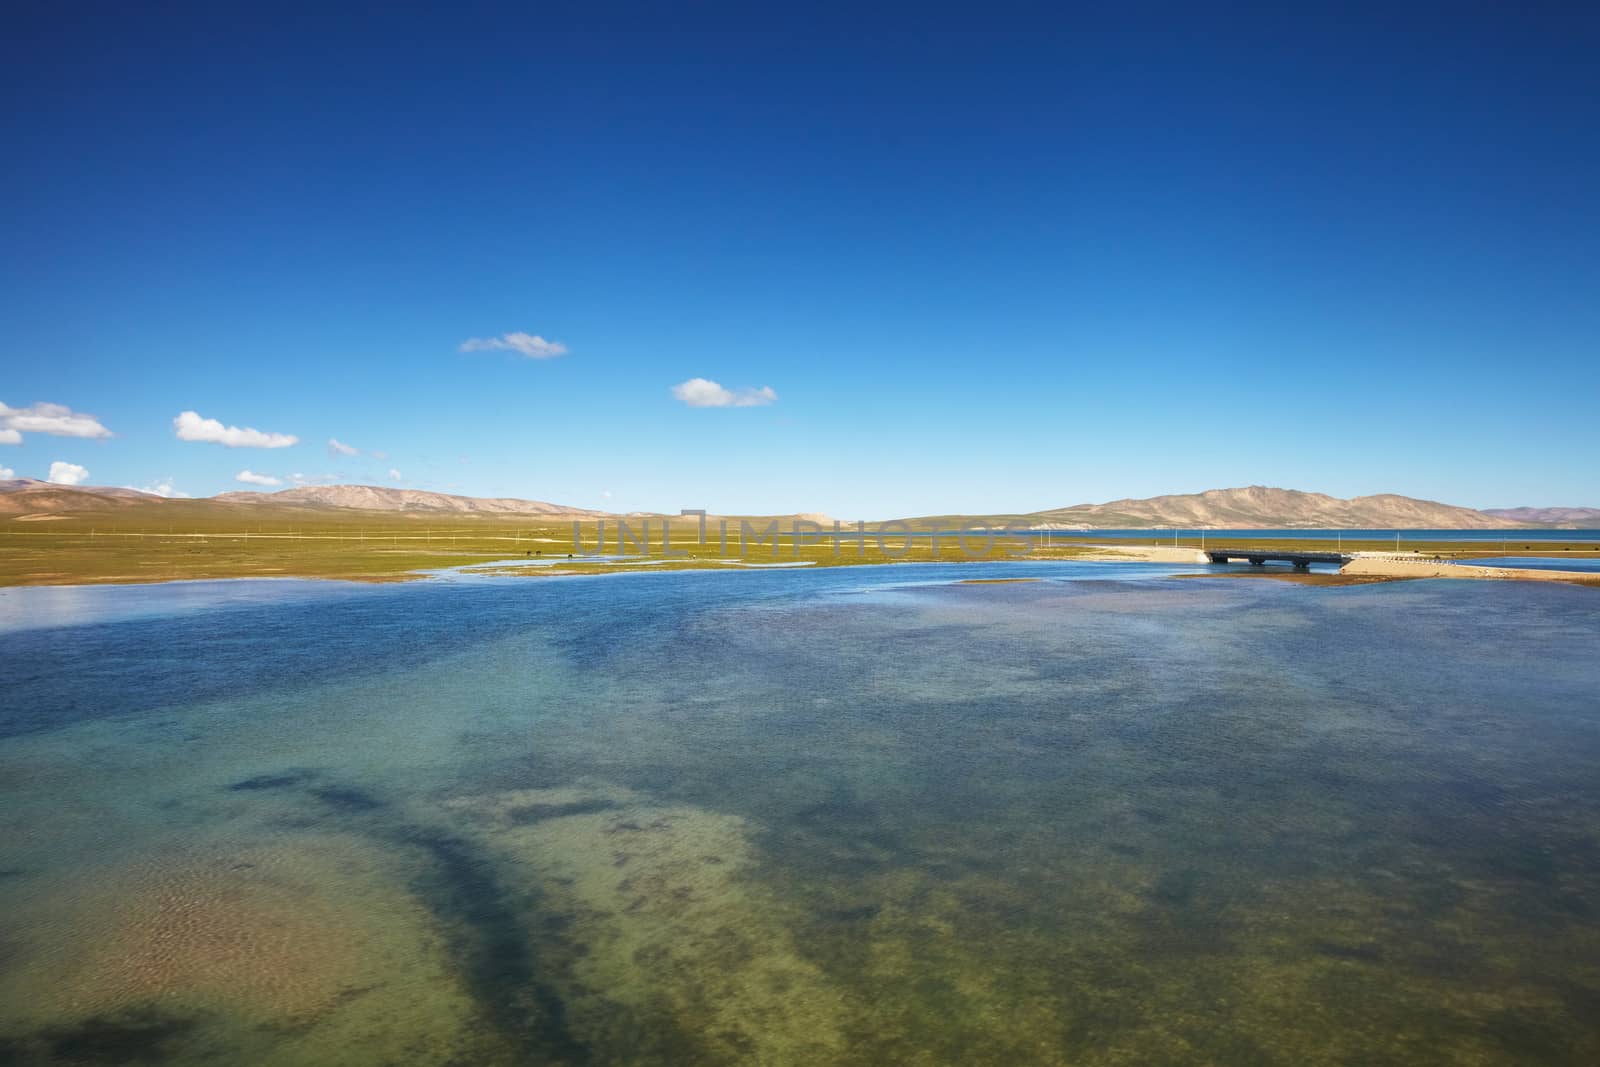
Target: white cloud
(528, 344)
(7, 473)
(337, 447)
(250, 477)
(189, 426)
(312, 479)
(705, 393)
(56, 419)
(164, 487)
(67, 473)
(395, 475)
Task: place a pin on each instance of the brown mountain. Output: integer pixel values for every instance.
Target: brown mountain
(29, 496)
(26, 496)
(1570, 518)
(383, 498)
(1261, 507)
(1253, 507)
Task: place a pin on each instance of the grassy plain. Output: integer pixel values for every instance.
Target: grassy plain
(180, 542)
(197, 539)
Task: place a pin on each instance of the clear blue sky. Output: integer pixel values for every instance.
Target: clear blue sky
(1002, 258)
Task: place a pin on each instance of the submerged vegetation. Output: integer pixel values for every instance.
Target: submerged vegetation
(1077, 823)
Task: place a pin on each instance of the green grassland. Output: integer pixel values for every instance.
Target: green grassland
(173, 540)
(186, 540)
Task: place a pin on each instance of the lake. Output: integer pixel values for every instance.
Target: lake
(865, 815)
(1539, 563)
(1525, 538)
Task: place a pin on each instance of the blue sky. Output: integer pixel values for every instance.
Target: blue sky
(1006, 258)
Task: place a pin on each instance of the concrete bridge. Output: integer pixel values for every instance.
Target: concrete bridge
(1301, 561)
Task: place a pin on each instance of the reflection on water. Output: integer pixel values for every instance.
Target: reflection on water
(863, 816)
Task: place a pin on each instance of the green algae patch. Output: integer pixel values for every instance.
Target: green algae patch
(678, 938)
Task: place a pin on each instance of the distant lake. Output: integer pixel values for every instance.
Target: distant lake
(1509, 536)
(869, 815)
(1546, 563)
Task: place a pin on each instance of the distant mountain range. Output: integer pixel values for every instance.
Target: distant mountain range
(1252, 507)
(1571, 518)
(1260, 507)
(29, 496)
(384, 498)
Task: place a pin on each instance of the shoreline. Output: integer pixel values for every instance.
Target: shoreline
(82, 560)
(1380, 567)
(508, 569)
(1141, 554)
(1369, 572)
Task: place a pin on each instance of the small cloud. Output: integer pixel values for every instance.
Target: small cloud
(705, 393)
(189, 426)
(7, 473)
(337, 447)
(67, 473)
(605, 494)
(55, 419)
(395, 475)
(312, 479)
(529, 345)
(249, 477)
(164, 487)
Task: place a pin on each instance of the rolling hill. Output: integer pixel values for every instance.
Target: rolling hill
(383, 498)
(29, 496)
(1261, 507)
(1568, 518)
(1251, 507)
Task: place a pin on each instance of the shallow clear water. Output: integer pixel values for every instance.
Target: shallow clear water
(866, 815)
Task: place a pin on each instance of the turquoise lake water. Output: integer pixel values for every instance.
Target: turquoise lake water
(835, 816)
(1521, 538)
(1539, 563)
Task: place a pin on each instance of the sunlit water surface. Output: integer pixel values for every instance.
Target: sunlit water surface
(860, 816)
